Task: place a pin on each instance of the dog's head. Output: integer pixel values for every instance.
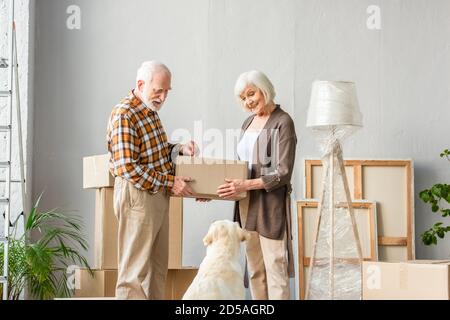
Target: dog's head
(225, 230)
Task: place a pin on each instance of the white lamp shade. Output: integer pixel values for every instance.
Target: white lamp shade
(334, 103)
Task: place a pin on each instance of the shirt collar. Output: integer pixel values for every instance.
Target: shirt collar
(138, 103)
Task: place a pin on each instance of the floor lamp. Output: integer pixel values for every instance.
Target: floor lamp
(335, 270)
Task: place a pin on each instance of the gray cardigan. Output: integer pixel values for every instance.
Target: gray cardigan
(269, 211)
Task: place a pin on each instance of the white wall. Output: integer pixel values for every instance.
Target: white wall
(402, 74)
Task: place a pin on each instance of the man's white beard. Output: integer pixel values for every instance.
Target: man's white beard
(152, 107)
(149, 103)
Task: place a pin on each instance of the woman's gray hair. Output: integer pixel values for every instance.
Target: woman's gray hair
(149, 68)
(259, 80)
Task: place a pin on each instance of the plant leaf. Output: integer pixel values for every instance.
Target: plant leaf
(40, 263)
(425, 196)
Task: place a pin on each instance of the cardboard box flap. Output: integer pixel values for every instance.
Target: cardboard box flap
(199, 160)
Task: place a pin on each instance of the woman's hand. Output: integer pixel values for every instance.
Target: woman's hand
(231, 188)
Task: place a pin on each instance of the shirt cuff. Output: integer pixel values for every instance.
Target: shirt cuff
(170, 181)
(176, 151)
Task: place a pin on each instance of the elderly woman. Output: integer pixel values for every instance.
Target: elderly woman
(268, 142)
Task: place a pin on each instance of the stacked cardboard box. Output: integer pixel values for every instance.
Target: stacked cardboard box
(412, 280)
(179, 277)
(106, 228)
(96, 176)
(178, 281)
(96, 172)
(101, 284)
(175, 233)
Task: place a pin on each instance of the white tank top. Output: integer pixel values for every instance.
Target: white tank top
(246, 145)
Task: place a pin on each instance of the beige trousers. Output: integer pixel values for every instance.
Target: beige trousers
(143, 241)
(267, 263)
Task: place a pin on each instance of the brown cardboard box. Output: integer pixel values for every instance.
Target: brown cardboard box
(106, 229)
(413, 280)
(103, 284)
(178, 281)
(175, 233)
(96, 172)
(208, 174)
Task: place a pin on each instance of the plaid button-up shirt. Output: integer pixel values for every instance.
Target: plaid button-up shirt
(138, 146)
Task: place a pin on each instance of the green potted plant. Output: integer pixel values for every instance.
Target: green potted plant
(39, 263)
(436, 196)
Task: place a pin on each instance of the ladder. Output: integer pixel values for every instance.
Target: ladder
(13, 91)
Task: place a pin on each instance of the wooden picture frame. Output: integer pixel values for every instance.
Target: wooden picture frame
(307, 228)
(390, 184)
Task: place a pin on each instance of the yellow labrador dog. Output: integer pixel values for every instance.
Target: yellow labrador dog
(220, 275)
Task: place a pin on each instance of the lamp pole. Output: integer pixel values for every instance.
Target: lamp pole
(331, 273)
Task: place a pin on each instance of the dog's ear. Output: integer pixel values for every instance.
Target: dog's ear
(207, 240)
(211, 236)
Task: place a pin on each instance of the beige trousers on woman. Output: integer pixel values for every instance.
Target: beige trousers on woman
(143, 241)
(267, 263)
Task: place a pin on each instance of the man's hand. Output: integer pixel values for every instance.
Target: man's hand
(180, 187)
(231, 188)
(202, 200)
(190, 149)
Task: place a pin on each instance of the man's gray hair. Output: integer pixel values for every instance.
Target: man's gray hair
(149, 68)
(259, 80)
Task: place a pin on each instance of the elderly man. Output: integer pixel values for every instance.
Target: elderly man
(141, 160)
